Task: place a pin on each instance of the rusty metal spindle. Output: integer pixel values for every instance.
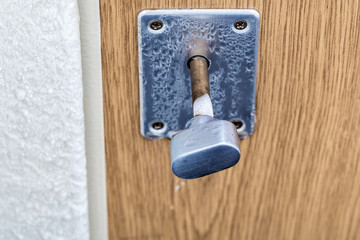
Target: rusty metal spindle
(199, 77)
(200, 86)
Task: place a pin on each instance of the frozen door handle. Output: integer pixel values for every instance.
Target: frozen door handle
(207, 145)
(183, 54)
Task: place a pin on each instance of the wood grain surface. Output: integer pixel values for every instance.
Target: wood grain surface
(299, 174)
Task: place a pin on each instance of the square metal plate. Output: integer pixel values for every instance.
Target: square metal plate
(164, 77)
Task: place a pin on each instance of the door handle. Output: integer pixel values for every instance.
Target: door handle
(207, 145)
(182, 54)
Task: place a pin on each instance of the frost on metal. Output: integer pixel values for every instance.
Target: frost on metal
(165, 88)
(43, 192)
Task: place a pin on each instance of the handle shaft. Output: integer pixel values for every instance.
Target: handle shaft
(200, 86)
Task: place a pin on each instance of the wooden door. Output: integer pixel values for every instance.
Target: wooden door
(299, 174)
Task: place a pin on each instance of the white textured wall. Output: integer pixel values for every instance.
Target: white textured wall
(43, 192)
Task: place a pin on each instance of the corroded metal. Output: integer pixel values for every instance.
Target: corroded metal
(199, 77)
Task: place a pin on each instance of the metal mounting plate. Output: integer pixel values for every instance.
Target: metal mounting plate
(165, 87)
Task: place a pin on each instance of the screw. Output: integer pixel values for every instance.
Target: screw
(156, 25)
(238, 124)
(240, 24)
(157, 125)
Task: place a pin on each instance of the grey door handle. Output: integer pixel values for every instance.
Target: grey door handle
(185, 53)
(207, 145)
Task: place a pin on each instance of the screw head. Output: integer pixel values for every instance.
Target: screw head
(238, 124)
(240, 24)
(158, 125)
(156, 25)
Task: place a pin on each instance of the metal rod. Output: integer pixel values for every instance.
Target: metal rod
(200, 86)
(199, 77)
